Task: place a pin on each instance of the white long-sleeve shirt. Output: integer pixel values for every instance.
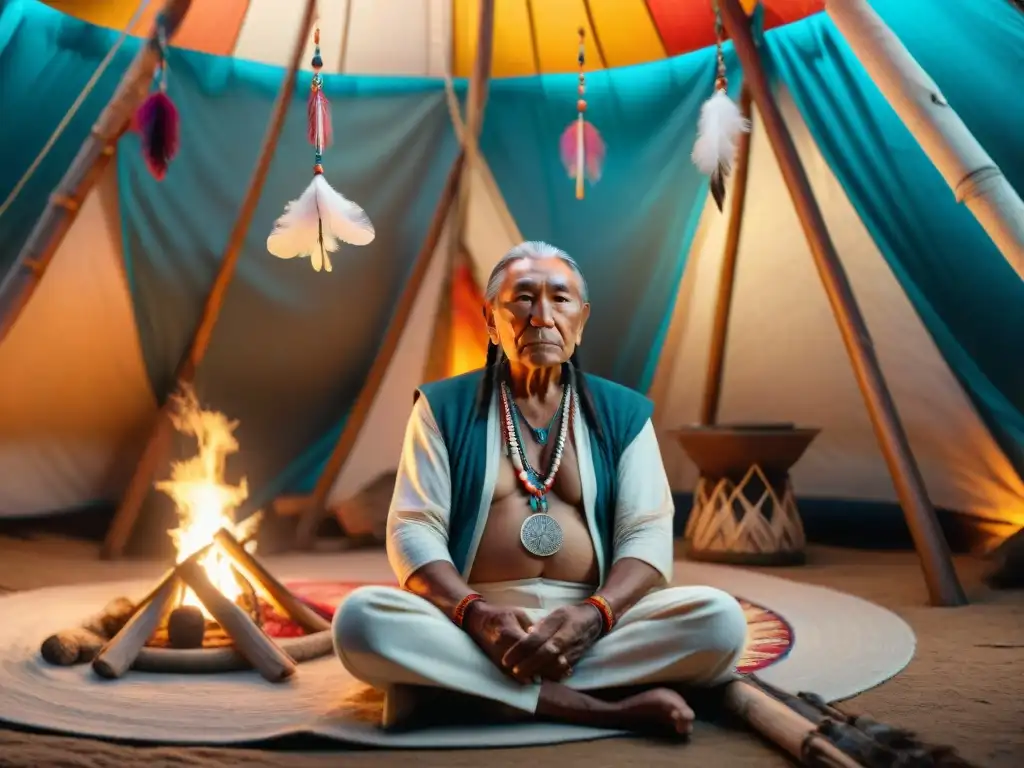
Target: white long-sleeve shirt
(417, 529)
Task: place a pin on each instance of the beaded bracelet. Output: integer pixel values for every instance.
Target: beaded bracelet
(607, 616)
(460, 609)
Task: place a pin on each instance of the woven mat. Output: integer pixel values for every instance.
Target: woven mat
(322, 699)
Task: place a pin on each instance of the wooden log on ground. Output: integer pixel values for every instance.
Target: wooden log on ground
(78, 645)
(783, 727)
(273, 590)
(117, 656)
(204, 661)
(250, 641)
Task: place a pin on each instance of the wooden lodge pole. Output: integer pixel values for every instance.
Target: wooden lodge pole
(25, 274)
(943, 585)
(967, 168)
(453, 202)
(727, 276)
(439, 358)
(159, 439)
(314, 508)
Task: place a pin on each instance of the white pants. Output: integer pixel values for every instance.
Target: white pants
(387, 637)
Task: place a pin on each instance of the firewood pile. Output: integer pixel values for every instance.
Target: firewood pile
(160, 633)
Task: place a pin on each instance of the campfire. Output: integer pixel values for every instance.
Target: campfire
(211, 610)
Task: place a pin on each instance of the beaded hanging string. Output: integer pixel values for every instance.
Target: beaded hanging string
(582, 148)
(312, 226)
(318, 109)
(536, 485)
(720, 124)
(156, 119)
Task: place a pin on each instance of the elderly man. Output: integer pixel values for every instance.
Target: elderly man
(531, 535)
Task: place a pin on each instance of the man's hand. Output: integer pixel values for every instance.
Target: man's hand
(555, 644)
(495, 628)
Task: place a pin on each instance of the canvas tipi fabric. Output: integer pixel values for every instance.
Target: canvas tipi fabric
(97, 342)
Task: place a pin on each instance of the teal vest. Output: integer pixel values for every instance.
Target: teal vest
(621, 411)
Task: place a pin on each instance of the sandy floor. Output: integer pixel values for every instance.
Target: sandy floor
(965, 686)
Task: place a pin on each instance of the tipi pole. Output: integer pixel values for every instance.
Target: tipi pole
(727, 276)
(312, 513)
(943, 586)
(440, 356)
(27, 271)
(159, 439)
(965, 165)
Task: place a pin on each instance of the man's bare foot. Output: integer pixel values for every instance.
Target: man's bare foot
(658, 711)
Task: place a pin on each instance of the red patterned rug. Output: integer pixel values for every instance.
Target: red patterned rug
(769, 635)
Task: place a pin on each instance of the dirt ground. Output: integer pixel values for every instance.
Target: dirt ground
(965, 686)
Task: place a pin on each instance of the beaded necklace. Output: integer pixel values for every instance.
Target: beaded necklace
(540, 534)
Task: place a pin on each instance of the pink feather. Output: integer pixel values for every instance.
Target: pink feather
(593, 151)
(318, 102)
(157, 123)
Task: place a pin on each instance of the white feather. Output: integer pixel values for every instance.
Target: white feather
(718, 129)
(298, 230)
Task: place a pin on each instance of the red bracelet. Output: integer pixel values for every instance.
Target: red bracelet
(606, 611)
(460, 609)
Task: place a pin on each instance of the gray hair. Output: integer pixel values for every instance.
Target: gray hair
(531, 249)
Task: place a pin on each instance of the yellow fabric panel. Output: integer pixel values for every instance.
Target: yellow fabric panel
(513, 50)
(626, 33)
(557, 22)
(114, 14)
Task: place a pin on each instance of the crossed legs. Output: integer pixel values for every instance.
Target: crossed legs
(680, 635)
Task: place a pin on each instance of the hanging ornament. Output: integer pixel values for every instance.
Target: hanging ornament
(582, 147)
(312, 225)
(719, 127)
(156, 120)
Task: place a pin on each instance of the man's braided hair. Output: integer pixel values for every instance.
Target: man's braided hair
(495, 365)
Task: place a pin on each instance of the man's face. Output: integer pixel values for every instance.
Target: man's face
(539, 313)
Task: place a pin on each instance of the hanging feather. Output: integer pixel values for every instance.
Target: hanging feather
(157, 123)
(312, 226)
(156, 120)
(582, 147)
(718, 130)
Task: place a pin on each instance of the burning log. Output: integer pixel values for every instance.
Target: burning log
(78, 645)
(250, 641)
(273, 590)
(117, 656)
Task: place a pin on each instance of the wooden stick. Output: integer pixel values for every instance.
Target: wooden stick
(315, 508)
(117, 656)
(159, 439)
(943, 585)
(441, 354)
(207, 660)
(264, 582)
(727, 276)
(782, 726)
(24, 276)
(967, 168)
(250, 641)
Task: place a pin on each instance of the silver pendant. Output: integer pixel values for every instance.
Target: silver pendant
(541, 535)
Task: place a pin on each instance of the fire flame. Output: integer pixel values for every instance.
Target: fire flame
(205, 503)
